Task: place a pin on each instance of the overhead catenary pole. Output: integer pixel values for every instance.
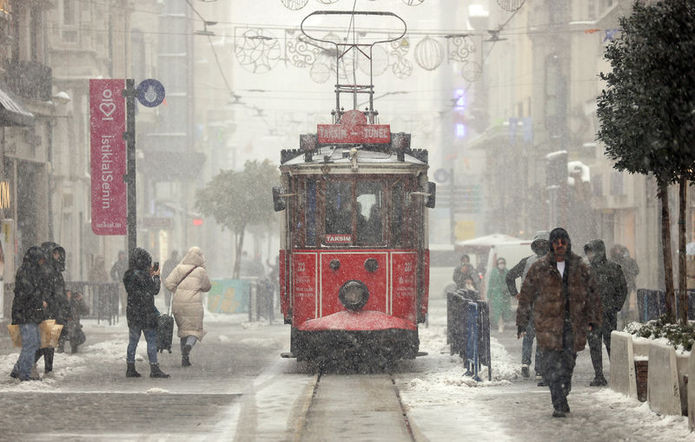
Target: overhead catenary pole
(129, 136)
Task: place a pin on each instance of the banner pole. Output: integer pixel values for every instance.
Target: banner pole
(129, 93)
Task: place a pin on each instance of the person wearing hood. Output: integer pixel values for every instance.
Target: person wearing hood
(540, 247)
(463, 271)
(561, 291)
(28, 310)
(613, 290)
(498, 295)
(188, 281)
(57, 303)
(142, 284)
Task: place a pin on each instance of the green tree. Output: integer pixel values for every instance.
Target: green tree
(240, 199)
(647, 110)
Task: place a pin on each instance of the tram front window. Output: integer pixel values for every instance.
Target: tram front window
(338, 207)
(370, 210)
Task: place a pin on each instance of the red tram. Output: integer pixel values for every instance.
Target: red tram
(354, 258)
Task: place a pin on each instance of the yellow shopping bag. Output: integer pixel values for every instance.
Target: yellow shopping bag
(15, 334)
(50, 333)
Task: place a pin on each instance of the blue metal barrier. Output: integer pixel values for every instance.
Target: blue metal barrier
(472, 361)
(652, 303)
(468, 332)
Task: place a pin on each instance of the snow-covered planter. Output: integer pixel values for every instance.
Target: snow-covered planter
(671, 367)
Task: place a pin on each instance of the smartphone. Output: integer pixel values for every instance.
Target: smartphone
(155, 267)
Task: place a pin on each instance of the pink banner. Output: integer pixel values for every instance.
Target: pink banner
(108, 157)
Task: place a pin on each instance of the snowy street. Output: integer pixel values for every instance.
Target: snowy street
(240, 389)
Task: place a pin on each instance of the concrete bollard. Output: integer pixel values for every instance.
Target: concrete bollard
(691, 391)
(622, 359)
(663, 391)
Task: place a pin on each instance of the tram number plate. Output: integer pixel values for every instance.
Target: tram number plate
(337, 238)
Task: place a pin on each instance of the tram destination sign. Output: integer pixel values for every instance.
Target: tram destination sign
(338, 238)
(353, 128)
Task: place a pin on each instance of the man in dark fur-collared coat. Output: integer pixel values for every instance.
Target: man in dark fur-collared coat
(562, 291)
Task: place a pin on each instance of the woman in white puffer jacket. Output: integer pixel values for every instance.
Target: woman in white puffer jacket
(188, 281)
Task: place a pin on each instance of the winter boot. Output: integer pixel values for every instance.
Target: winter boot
(155, 372)
(599, 381)
(185, 353)
(130, 372)
(524, 371)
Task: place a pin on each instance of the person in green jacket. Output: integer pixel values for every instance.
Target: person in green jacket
(498, 295)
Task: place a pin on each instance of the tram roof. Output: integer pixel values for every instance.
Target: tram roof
(340, 156)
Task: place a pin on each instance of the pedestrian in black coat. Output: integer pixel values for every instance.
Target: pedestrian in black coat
(465, 270)
(613, 291)
(540, 247)
(77, 308)
(57, 304)
(28, 309)
(142, 284)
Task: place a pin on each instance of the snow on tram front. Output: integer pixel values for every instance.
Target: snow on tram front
(354, 258)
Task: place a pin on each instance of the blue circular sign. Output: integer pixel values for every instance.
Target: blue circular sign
(150, 92)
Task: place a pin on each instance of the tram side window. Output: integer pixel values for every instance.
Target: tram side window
(338, 207)
(310, 212)
(370, 213)
(400, 219)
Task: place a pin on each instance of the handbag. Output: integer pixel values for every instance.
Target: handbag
(50, 333)
(15, 334)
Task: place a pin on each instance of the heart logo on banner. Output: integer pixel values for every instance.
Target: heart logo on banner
(107, 109)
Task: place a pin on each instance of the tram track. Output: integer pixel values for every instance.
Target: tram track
(356, 406)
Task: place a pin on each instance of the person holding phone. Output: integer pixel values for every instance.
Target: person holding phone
(142, 283)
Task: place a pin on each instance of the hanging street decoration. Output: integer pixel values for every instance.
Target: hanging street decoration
(255, 51)
(471, 71)
(294, 5)
(259, 50)
(511, 5)
(299, 52)
(459, 47)
(428, 54)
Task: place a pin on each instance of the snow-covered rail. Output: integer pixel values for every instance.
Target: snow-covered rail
(355, 406)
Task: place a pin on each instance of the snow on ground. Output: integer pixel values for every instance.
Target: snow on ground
(442, 403)
(441, 378)
(70, 365)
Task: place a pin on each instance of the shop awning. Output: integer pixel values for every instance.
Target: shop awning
(11, 113)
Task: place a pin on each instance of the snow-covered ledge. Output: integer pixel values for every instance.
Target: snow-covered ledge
(623, 379)
(663, 386)
(691, 391)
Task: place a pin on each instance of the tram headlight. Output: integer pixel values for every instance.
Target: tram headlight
(353, 295)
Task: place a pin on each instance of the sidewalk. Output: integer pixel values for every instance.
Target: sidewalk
(442, 402)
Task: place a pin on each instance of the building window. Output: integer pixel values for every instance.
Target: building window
(69, 33)
(617, 187)
(597, 185)
(69, 12)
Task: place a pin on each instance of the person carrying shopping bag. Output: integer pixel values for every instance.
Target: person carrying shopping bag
(187, 282)
(27, 310)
